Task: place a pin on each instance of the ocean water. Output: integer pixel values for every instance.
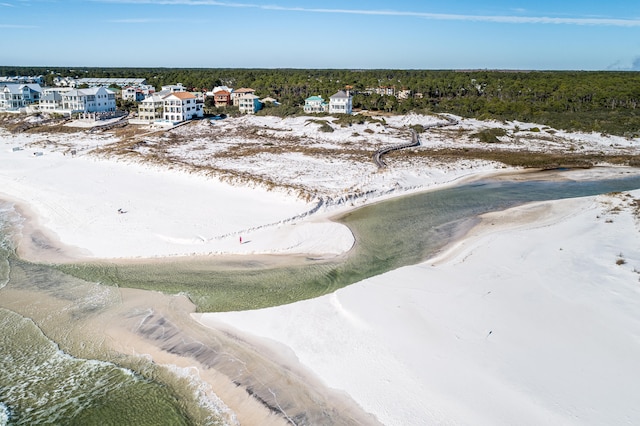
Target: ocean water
(42, 384)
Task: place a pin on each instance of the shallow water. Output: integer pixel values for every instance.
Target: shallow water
(43, 305)
(389, 235)
(42, 384)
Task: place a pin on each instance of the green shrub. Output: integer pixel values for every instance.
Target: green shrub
(489, 135)
(325, 127)
(418, 128)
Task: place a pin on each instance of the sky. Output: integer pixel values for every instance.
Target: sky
(347, 34)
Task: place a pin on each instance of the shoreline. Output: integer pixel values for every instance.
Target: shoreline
(40, 244)
(37, 243)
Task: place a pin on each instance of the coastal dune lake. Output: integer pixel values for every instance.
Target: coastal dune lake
(64, 327)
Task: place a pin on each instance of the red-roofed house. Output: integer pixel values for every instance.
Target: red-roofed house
(222, 98)
(182, 106)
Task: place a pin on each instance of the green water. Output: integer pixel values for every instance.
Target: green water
(42, 384)
(389, 235)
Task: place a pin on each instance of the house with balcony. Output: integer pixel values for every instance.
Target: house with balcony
(315, 104)
(222, 98)
(341, 103)
(133, 93)
(14, 96)
(151, 108)
(182, 106)
(249, 104)
(237, 94)
(94, 99)
(51, 101)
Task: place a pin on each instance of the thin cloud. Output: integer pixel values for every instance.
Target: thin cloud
(13, 26)
(503, 19)
(138, 21)
(7, 5)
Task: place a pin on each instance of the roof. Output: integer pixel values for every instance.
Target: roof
(314, 98)
(51, 96)
(87, 92)
(221, 88)
(109, 81)
(17, 88)
(244, 90)
(340, 94)
(182, 95)
(221, 93)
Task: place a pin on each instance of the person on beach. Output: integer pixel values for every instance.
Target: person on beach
(240, 240)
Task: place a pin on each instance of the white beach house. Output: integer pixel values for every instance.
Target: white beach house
(133, 93)
(314, 104)
(51, 101)
(182, 106)
(341, 103)
(94, 99)
(151, 108)
(14, 96)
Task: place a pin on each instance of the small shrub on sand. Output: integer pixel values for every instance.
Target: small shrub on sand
(489, 135)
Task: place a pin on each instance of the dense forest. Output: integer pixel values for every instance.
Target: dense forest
(601, 101)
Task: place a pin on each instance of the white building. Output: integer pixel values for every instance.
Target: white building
(64, 81)
(51, 101)
(314, 104)
(94, 99)
(121, 82)
(237, 94)
(249, 104)
(173, 88)
(22, 79)
(152, 107)
(341, 103)
(132, 93)
(182, 106)
(15, 96)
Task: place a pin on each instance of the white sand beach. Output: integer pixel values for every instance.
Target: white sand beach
(533, 318)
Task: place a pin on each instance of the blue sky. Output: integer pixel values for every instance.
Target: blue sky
(401, 34)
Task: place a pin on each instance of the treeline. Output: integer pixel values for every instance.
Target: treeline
(606, 102)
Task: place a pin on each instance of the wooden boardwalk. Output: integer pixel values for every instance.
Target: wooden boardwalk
(415, 141)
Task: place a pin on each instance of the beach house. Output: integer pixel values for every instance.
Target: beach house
(182, 106)
(249, 103)
(341, 103)
(14, 96)
(51, 101)
(133, 93)
(151, 108)
(222, 98)
(94, 99)
(315, 104)
(237, 94)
